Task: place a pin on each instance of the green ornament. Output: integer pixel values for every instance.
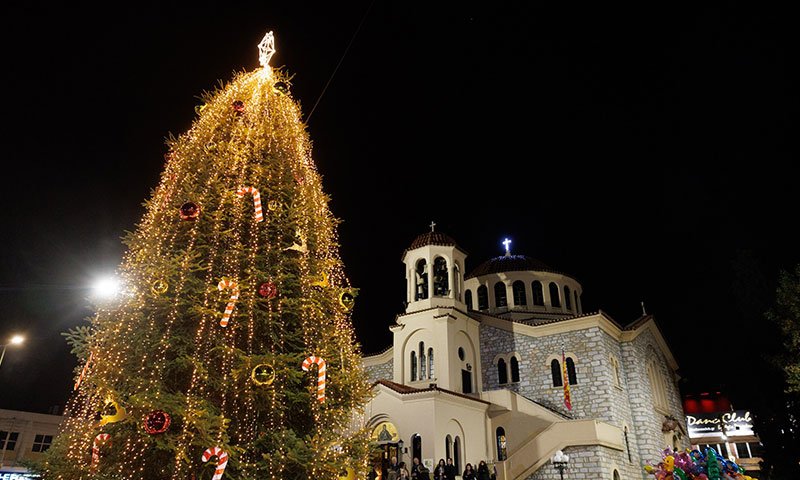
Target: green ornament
(680, 473)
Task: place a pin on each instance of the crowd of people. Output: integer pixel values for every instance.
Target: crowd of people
(395, 470)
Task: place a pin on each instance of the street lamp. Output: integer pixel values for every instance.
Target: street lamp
(15, 340)
(560, 461)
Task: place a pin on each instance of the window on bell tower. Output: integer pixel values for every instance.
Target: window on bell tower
(441, 287)
(421, 274)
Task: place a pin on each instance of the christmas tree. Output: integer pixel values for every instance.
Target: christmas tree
(231, 352)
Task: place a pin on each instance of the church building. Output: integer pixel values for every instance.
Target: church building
(502, 364)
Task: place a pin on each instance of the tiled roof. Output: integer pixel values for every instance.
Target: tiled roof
(510, 263)
(405, 389)
(432, 238)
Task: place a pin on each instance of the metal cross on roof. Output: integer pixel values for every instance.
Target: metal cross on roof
(507, 242)
(432, 225)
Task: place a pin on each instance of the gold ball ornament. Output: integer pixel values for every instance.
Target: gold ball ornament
(263, 374)
(159, 287)
(348, 474)
(347, 300)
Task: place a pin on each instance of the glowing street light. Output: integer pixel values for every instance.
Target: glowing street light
(560, 461)
(106, 287)
(15, 340)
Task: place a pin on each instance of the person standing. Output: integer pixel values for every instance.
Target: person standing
(438, 472)
(469, 473)
(450, 471)
(483, 471)
(393, 470)
(414, 468)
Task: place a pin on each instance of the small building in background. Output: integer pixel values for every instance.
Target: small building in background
(712, 422)
(23, 437)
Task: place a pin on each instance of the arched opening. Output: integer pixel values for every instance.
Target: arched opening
(575, 294)
(518, 290)
(421, 272)
(514, 363)
(416, 447)
(441, 280)
(538, 293)
(616, 474)
(502, 452)
(555, 370)
(430, 364)
(567, 298)
(571, 375)
(502, 374)
(483, 298)
(468, 299)
(448, 447)
(413, 366)
(457, 454)
(555, 298)
(422, 366)
(457, 281)
(500, 299)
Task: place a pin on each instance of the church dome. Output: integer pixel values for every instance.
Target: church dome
(510, 263)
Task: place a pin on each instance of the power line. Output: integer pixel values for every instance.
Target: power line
(340, 60)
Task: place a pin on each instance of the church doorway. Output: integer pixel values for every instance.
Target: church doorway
(385, 444)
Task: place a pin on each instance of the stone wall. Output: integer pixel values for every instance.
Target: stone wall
(592, 463)
(381, 371)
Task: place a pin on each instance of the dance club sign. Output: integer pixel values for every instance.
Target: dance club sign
(734, 424)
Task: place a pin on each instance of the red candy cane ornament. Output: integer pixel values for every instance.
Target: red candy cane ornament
(227, 283)
(321, 374)
(222, 461)
(100, 439)
(256, 200)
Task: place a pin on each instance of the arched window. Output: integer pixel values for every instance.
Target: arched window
(657, 384)
(421, 274)
(413, 366)
(616, 474)
(627, 444)
(518, 289)
(483, 298)
(502, 452)
(555, 369)
(573, 377)
(555, 299)
(577, 308)
(514, 369)
(615, 371)
(422, 368)
(457, 281)
(441, 281)
(448, 446)
(538, 293)
(457, 453)
(500, 299)
(567, 298)
(430, 363)
(502, 373)
(468, 299)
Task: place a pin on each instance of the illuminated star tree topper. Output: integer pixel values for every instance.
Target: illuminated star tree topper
(266, 49)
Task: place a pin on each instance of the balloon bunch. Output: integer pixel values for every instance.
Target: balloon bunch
(695, 465)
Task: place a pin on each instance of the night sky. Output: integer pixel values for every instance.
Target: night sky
(649, 151)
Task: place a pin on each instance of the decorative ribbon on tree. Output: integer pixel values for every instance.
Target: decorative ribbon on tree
(565, 375)
(256, 200)
(222, 461)
(227, 283)
(321, 374)
(100, 439)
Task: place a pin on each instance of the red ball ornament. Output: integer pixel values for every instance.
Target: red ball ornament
(268, 290)
(157, 421)
(238, 106)
(190, 211)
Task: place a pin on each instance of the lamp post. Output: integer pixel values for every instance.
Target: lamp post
(15, 340)
(560, 461)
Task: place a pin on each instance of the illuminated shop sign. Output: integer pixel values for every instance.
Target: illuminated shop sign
(732, 424)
